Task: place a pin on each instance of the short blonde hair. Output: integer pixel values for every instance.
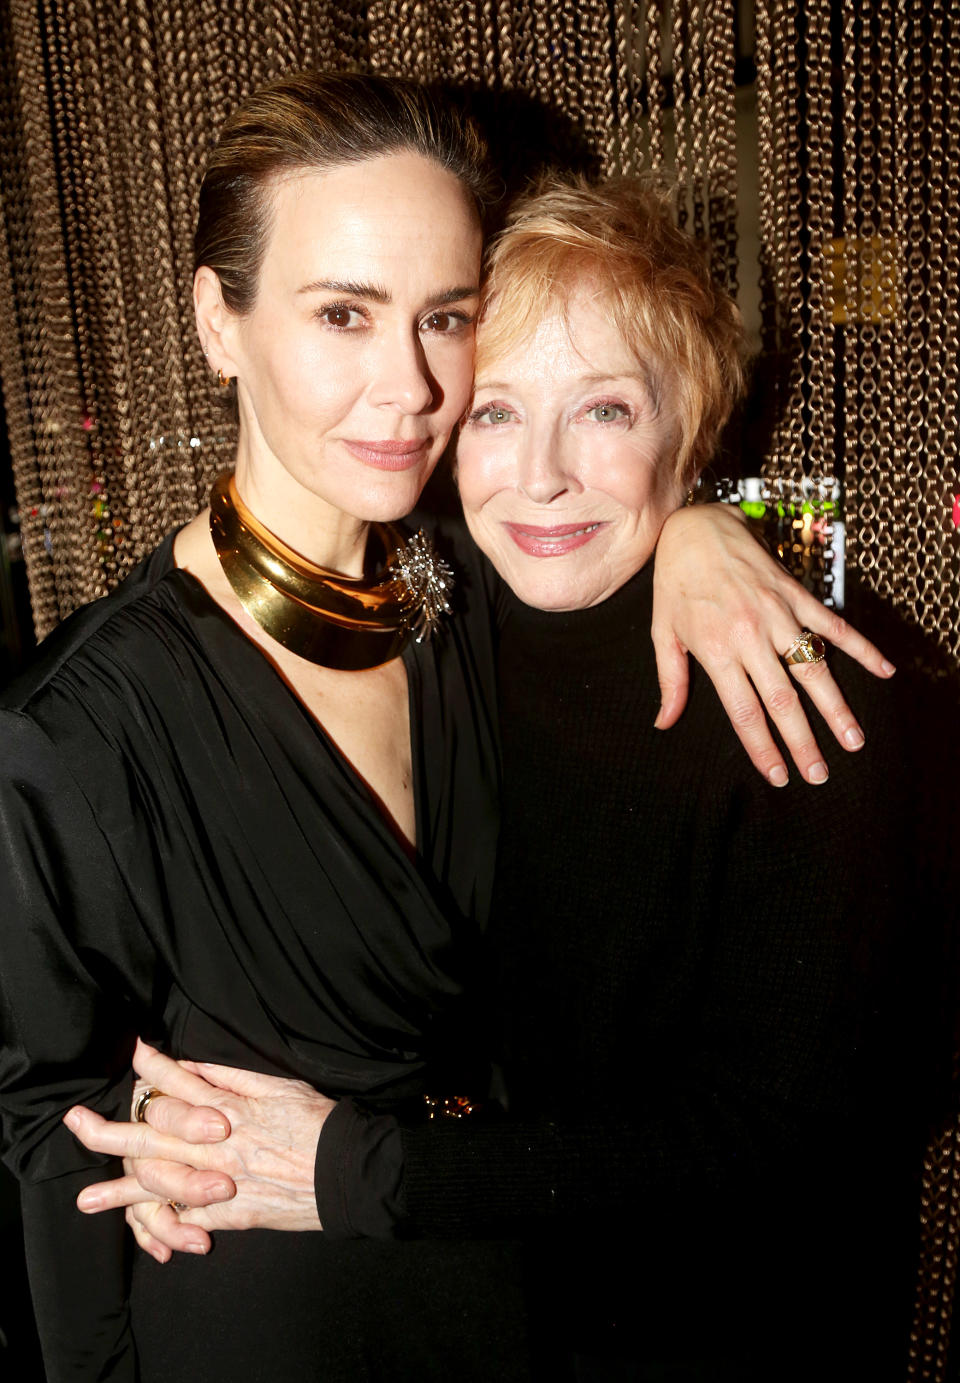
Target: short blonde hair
(618, 237)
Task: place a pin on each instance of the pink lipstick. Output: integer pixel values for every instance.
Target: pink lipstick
(554, 541)
(388, 456)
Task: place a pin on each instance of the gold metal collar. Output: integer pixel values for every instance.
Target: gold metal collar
(337, 621)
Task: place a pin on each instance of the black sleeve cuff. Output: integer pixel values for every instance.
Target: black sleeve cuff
(358, 1172)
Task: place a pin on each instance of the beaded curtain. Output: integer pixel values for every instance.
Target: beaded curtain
(107, 110)
(859, 127)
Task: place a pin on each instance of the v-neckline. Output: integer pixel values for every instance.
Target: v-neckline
(224, 635)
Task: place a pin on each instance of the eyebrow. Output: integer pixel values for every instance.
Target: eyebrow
(373, 292)
(642, 375)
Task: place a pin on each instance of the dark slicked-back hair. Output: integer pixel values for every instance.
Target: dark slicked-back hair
(318, 121)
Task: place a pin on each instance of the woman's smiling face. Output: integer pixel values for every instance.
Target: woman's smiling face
(566, 459)
(356, 361)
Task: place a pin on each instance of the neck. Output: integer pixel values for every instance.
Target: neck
(306, 523)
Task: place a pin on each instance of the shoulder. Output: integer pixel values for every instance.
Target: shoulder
(90, 656)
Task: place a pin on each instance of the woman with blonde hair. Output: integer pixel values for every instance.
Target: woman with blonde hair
(692, 1046)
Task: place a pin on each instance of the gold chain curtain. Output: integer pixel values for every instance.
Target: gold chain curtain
(859, 125)
(107, 108)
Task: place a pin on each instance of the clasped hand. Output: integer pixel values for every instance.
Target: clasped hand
(235, 1147)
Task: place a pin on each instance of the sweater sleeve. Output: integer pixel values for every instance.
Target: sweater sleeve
(68, 1029)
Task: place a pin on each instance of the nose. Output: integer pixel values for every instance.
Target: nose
(543, 469)
(402, 377)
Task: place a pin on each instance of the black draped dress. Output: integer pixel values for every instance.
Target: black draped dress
(186, 855)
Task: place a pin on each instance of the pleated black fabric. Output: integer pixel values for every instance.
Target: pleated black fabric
(185, 854)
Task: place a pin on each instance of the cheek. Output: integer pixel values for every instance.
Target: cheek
(479, 471)
(635, 476)
(468, 475)
(452, 371)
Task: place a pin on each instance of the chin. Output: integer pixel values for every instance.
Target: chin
(543, 592)
(391, 502)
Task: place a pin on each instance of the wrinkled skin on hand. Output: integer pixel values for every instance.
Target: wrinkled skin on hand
(719, 595)
(236, 1148)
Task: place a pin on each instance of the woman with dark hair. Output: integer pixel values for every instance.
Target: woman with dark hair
(245, 811)
(248, 807)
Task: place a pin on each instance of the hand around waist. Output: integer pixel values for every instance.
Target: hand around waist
(220, 1149)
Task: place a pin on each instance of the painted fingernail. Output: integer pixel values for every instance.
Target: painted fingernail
(817, 773)
(887, 668)
(779, 776)
(853, 737)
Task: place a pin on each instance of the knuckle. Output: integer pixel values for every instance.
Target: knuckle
(162, 1114)
(782, 701)
(765, 605)
(746, 715)
(835, 628)
(197, 1187)
(810, 672)
(150, 1174)
(143, 1213)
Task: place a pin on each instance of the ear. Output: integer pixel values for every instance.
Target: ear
(216, 324)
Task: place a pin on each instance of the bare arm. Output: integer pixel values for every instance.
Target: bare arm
(721, 597)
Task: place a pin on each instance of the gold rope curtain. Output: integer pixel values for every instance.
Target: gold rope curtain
(860, 193)
(107, 110)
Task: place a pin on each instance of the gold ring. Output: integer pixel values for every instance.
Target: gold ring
(142, 1103)
(177, 1206)
(807, 647)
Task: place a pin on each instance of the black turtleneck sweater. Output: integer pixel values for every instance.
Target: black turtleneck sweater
(700, 984)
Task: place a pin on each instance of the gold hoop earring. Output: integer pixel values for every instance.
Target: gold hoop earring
(223, 380)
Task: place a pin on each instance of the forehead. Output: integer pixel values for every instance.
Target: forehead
(575, 335)
(396, 211)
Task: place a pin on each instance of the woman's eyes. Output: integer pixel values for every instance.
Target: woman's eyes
(348, 317)
(342, 317)
(446, 322)
(603, 411)
(607, 411)
(489, 415)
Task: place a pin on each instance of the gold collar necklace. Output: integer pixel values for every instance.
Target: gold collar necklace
(337, 621)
